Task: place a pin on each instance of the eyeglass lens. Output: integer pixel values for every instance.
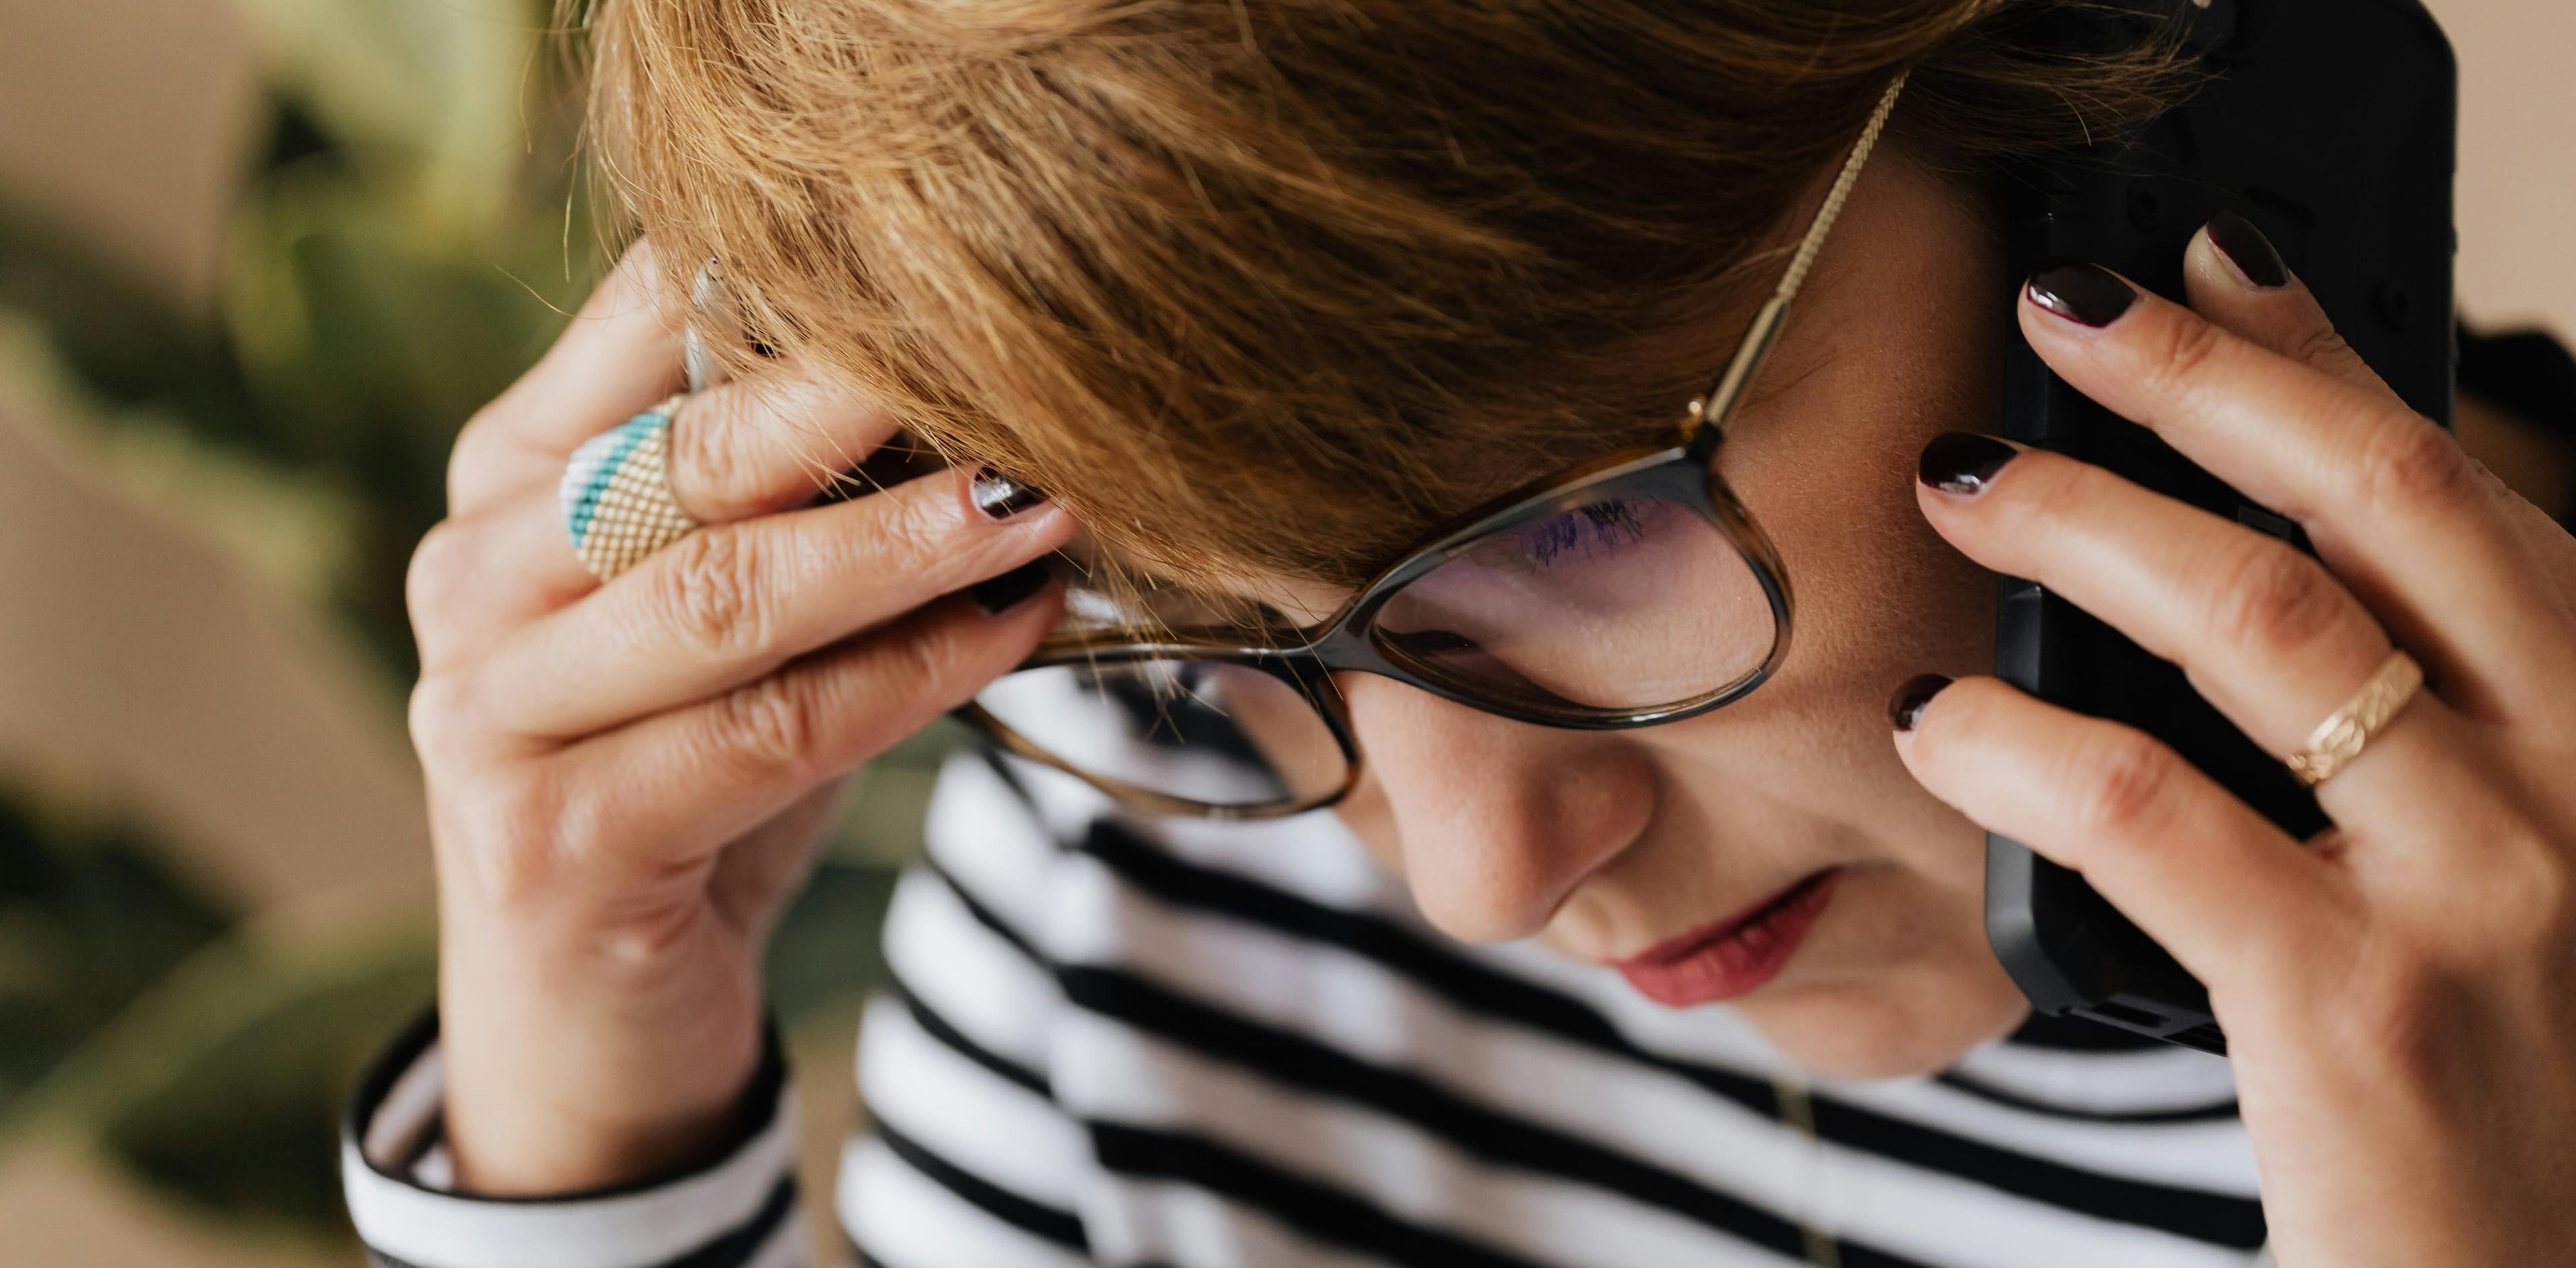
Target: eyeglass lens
(1218, 734)
(1625, 602)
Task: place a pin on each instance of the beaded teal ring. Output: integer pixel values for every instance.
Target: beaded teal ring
(616, 493)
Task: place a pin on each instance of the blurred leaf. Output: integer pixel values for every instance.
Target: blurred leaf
(122, 341)
(222, 1085)
(406, 244)
(246, 1121)
(365, 353)
(431, 91)
(292, 529)
(365, 350)
(89, 918)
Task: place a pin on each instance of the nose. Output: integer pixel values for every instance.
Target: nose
(1497, 822)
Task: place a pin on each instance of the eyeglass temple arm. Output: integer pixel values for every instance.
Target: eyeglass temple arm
(1709, 412)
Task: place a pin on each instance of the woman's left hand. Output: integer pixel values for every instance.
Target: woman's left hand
(2399, 992)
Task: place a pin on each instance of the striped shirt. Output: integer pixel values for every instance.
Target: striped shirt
(1203, 1045)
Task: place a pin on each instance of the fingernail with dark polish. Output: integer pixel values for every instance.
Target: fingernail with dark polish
(2080, 292)
(999, 496)
(1907, 704)
(2247, 249)
(1962, 462)
(997, 595)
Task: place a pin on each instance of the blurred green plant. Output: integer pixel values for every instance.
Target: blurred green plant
(408, 239)
(90, 917)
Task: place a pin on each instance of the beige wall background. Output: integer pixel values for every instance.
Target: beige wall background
(135, 653)
(2517, 184)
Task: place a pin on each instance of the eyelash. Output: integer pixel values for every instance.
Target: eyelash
(1609, 525)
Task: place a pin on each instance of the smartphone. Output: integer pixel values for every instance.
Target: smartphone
(2329, 124)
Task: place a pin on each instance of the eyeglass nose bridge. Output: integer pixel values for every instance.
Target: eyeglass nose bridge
(1348, 641)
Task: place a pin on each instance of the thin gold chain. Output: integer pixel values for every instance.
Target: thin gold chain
(1789, 1089)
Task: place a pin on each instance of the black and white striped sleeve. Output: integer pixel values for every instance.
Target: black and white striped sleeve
(737, 1210)
(969, 1159)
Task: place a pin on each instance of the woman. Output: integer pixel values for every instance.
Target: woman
(1264, 295)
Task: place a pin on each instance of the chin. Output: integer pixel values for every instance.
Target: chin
(1914, 1020)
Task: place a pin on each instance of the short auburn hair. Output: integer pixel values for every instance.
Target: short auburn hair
(1278, 284)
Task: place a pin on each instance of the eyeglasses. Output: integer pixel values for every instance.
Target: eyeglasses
(1629, 591)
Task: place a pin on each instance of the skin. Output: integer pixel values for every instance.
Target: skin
(628, 779)
(2393, 989)
(1603, 844)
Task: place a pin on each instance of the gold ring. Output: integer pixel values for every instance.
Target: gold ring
(2340, 737)
(616, 493)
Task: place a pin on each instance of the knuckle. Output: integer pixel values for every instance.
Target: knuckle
(932, 655)
(709, 587)
(2276, 602)
(438, 717)
(466, 456)
(2400, 1006)
(772, 725)
(2068, 494)
(441, 568)
(641, 265)
(2533, 894)
(703, 463)
(2411, 465)
(2322, 345)
(2124, 786)
(522, 829)
(2181, 351)
(912, 533)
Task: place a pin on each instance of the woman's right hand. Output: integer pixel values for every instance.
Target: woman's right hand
(626, 781)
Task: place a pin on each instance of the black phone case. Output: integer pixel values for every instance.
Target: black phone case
(2330, 125)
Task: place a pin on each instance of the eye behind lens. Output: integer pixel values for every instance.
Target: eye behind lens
(1623, 606)
(1221, 735)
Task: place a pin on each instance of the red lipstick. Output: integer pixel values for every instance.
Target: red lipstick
(1735, 955)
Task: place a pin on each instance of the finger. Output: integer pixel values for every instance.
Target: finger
(2232, 897)
(726, 605)
(713, 769)
(753, 447)
(740, 450)
(2263, 631)
(2549, 539)
(618, 355)
(2390, 501)
(2233, 276)
(475, 579)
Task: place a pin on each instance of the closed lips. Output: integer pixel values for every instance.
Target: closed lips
(1734, 956)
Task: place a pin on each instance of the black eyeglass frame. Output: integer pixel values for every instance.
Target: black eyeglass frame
(1684, 473)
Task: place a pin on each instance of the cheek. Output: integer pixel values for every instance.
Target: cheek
(1492, 824)
(1364, 810)
(1880, 597)
(1911, 981)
